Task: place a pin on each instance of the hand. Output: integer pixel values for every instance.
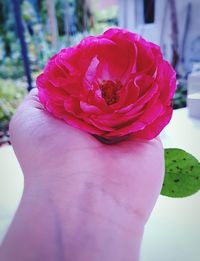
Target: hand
(117, 183)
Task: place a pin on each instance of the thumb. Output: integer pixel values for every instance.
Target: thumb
(32, 100)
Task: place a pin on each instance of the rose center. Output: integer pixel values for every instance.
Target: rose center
(110, 91)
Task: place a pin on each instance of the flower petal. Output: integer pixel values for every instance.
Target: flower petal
(80, 124)
(90, 109)
(152, 130)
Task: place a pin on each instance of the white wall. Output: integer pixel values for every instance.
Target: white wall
(131, 18)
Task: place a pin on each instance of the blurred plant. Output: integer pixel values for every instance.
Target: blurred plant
(108, 16)
(74, 21)
(7, 25)
(11, 94)
(11, 68)
(179, 100)
(105, 18)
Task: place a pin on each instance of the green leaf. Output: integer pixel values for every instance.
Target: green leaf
(182, 174)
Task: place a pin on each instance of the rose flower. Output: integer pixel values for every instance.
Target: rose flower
(111, 85)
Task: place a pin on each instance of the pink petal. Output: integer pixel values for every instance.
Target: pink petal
(133, 93)
(153, 130)
(134, 127)
(141, 102)
(116, 120)
(91, 109)
(167, 81)
(143, 82)
(152, 111)
(80, 124)
(99, 125)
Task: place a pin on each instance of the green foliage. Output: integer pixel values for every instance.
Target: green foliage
(179, 99)
(59, 15)
(79, 14)
(11, 94)
(182, 174)
(36, 30)
(105, 18)
(28, 12)
(7, 25)
(11, 68)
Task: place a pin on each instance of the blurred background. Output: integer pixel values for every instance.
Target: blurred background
(31, 31)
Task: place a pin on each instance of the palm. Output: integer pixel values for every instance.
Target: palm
(130, 171)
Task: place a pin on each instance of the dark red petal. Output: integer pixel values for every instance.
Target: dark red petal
(95, 98)
(72, 105)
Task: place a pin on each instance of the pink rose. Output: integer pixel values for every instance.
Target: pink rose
(111, 85)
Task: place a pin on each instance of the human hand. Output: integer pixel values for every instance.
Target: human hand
(119, 183)
(132, 171)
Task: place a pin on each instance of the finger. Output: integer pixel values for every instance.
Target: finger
(32, 100)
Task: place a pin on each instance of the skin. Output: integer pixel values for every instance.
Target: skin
(83, 200)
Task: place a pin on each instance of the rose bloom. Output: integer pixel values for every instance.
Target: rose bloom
(111, 85)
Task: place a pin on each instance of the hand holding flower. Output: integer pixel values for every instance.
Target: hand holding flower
(83, 200)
